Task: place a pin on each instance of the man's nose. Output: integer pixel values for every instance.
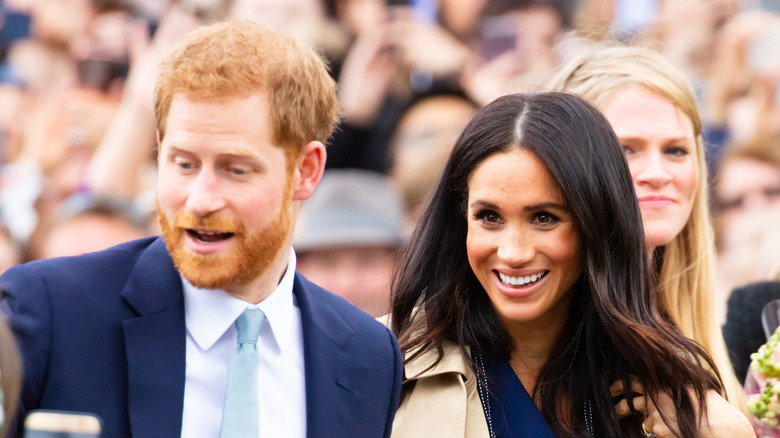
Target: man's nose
(205, 194)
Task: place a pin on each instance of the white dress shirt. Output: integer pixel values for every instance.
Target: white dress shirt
(211, 339)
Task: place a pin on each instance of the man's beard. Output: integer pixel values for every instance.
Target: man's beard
(252, 256)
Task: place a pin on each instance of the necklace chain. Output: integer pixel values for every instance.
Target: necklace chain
(483, 390)
(589, 417)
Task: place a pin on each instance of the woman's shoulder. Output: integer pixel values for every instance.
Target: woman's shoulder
(444, 400)
(428, 363)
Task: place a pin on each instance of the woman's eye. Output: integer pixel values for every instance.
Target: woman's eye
(488, 216)
(677, 151)
(626, 149)
(186, 165)
(545, 219)
(237, 171)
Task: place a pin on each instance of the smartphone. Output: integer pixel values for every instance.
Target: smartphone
(497, 36)
(769, 5)
(100, 74)
(425, 11)
(634, 15)
(61, 424)
(207, 11)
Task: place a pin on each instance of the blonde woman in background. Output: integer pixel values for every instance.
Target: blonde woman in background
(652, 107)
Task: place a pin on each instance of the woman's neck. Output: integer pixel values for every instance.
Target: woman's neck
(651, 253)
(531, 348)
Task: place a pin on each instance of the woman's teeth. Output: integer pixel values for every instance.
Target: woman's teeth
(522, 281)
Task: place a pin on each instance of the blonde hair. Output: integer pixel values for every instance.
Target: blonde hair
(687, 268)
(240, 58)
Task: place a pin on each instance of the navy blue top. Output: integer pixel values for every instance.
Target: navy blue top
(512, 410)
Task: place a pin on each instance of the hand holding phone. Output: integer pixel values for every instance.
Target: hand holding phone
(61, 424)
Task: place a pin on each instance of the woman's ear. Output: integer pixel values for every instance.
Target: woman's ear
(309, 168)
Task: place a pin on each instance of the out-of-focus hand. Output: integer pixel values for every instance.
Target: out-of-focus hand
(722, 419)
(507, 73)
(146, 53)
(117, 166)
(731, 75)
(767, 123)
(427, 46)
(365, 77)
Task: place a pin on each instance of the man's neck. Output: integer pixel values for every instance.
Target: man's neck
(264, 285)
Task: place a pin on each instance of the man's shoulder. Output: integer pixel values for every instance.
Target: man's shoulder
(328, 305)
(61, 272)
(114, 255)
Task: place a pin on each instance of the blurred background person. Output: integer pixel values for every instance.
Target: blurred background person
(747, 212)
(421, 143)
(652, 107)
(515, 48)
(347, 236)
(408, 53)
(744, 328)
(89, 225)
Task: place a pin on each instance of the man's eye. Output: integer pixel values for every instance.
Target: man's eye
(185, 165)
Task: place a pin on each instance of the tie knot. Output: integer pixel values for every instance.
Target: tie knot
(248, 325)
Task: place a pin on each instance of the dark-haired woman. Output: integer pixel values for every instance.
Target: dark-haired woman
(523, 306)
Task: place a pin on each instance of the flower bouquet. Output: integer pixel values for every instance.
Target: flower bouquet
(762, 386)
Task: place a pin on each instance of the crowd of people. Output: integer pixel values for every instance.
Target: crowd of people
(455, 174)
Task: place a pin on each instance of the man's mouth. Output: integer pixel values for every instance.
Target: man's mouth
(209, 236)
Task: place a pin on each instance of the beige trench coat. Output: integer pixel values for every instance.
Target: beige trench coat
(444, 402)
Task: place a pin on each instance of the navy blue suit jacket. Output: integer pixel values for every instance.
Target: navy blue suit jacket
(105, 333)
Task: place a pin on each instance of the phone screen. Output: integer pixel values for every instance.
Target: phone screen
(100, 73)
(61, 424)
(769, 5)
(498, 35)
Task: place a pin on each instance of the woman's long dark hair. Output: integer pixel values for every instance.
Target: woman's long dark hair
(614, 329)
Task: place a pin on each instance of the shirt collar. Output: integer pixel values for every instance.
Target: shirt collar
(209, 313)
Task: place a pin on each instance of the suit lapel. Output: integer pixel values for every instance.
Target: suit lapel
(155, 343)
(333, 377)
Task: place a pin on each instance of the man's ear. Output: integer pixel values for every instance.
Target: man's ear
(309, 168)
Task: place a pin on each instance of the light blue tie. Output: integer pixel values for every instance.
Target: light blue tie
(240, 413)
